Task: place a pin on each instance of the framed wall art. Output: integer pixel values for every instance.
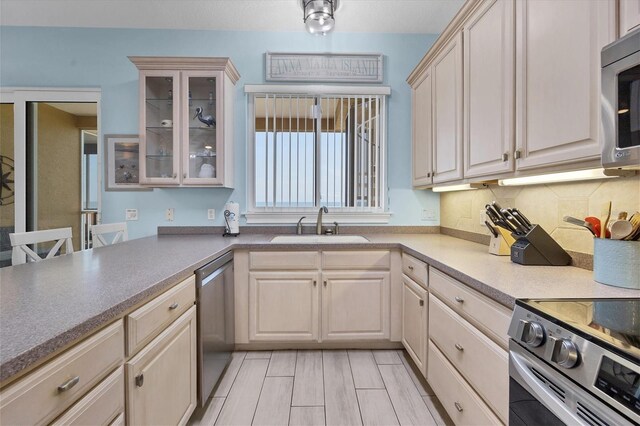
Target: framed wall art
(122, 163)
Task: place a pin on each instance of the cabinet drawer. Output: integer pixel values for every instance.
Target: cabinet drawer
(370, 259)
(284, 260)
(147, 322)
(416, 269)
(36, 398)
(101, 406)
(482, 362)
(491, 317)
(463, 405)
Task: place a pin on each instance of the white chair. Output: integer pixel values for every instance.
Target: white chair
(98, 233)
(20, 242)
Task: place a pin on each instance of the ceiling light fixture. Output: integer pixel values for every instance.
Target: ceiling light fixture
(318, 15)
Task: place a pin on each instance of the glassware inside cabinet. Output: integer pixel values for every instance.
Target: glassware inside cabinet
(159, 99)
(202, 128)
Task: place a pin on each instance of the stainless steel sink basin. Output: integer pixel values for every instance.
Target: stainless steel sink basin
(318, 239)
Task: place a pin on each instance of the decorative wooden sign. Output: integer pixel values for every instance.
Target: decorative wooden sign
(324, 67)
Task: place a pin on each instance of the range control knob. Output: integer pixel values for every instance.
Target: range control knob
(532, 333)
(565, 353)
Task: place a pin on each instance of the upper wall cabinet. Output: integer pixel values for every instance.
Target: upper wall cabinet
(558, 47)
(447, 112)
(422, 135)
(488, 89)
(629, 16)
(186, 121)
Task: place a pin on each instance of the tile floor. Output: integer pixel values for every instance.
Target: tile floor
(330, 387)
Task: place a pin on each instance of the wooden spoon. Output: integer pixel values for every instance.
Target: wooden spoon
(605, 215)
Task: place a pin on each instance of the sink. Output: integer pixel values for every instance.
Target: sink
(319, 239)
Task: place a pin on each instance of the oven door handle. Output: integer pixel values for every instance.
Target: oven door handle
(521, 366)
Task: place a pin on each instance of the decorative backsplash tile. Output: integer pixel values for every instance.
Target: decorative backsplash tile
(545, 205)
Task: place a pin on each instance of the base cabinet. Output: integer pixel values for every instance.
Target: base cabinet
(355, 305)
(161, 378)
(283, 305)
(414, 322)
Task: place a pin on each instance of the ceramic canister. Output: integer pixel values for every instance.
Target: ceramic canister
(617, 262)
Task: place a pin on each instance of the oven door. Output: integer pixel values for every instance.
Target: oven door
(540, 395)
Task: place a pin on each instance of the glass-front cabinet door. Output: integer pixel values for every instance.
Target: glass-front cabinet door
(159, 135)
(201, 127)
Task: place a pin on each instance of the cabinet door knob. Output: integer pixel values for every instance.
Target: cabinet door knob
(517, 154)
(459, 299)
(505, 156)
(184, 176)
(458, 406)
(325, 283)
(315, 283)
(140, 380)
(421, 302)
(459, 347)
(175, 175)
(173, 306)
(68, 384)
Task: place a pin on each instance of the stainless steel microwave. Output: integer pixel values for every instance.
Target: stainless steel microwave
(621, 103)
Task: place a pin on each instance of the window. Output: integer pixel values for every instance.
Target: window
(312, 148)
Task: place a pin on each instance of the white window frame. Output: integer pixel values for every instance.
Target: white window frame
(287, 215)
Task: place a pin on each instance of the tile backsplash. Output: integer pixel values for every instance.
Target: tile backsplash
(545, 205)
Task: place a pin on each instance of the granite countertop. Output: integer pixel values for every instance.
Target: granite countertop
(47, 306)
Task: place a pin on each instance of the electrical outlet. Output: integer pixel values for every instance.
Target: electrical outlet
(428, 214)
(131, 214)
(211, 214)
(483, 217)
(168, 214)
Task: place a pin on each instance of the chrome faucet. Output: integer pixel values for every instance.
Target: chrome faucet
(299, 226)
(319, 222)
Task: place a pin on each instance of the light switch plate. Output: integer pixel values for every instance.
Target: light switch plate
(211, 214)
(428, 214)
(131, 214)
(168, 215)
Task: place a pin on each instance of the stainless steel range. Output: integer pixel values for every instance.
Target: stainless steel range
(575, 362)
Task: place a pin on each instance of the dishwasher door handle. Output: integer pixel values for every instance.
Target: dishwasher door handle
(206, 280)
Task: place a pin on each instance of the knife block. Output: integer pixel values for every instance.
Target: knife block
(499, 246)
(536, 247)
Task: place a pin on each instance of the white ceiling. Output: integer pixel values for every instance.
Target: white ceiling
(386, 16)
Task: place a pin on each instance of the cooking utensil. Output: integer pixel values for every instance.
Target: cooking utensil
(491, 229)
(583, 223)
(635, 221)
(622, 216)
(620, 229)
(595, 222)
(605, 216)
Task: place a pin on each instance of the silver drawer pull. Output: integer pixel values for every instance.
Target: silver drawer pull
(174, 306)
(68, 384)
(459, 347)
(459, 299)
(410, 268)
(458, 406)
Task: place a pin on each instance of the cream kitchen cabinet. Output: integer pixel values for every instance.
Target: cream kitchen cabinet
(558, 47)
(283, 305)
(415, 305)
(186, 120)
(447, 112)
(422, 130)
(629, 16)
(313, 296)
(489, 89)
(161, 378)
(355, 305)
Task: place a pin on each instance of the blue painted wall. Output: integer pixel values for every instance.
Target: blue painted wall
(87, 57)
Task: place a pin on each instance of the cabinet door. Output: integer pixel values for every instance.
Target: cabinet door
(355, 305)
(202, 128)
(161, 378)
(422, 137)
(447, 112)
(488, 89)
(414, 322)
(283, 306)
(629, 16)
(558, 47)
(159, 124)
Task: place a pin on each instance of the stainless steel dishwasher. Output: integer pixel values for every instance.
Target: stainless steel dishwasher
(216, 332)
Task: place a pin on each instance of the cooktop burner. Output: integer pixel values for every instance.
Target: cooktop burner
(613, 321)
